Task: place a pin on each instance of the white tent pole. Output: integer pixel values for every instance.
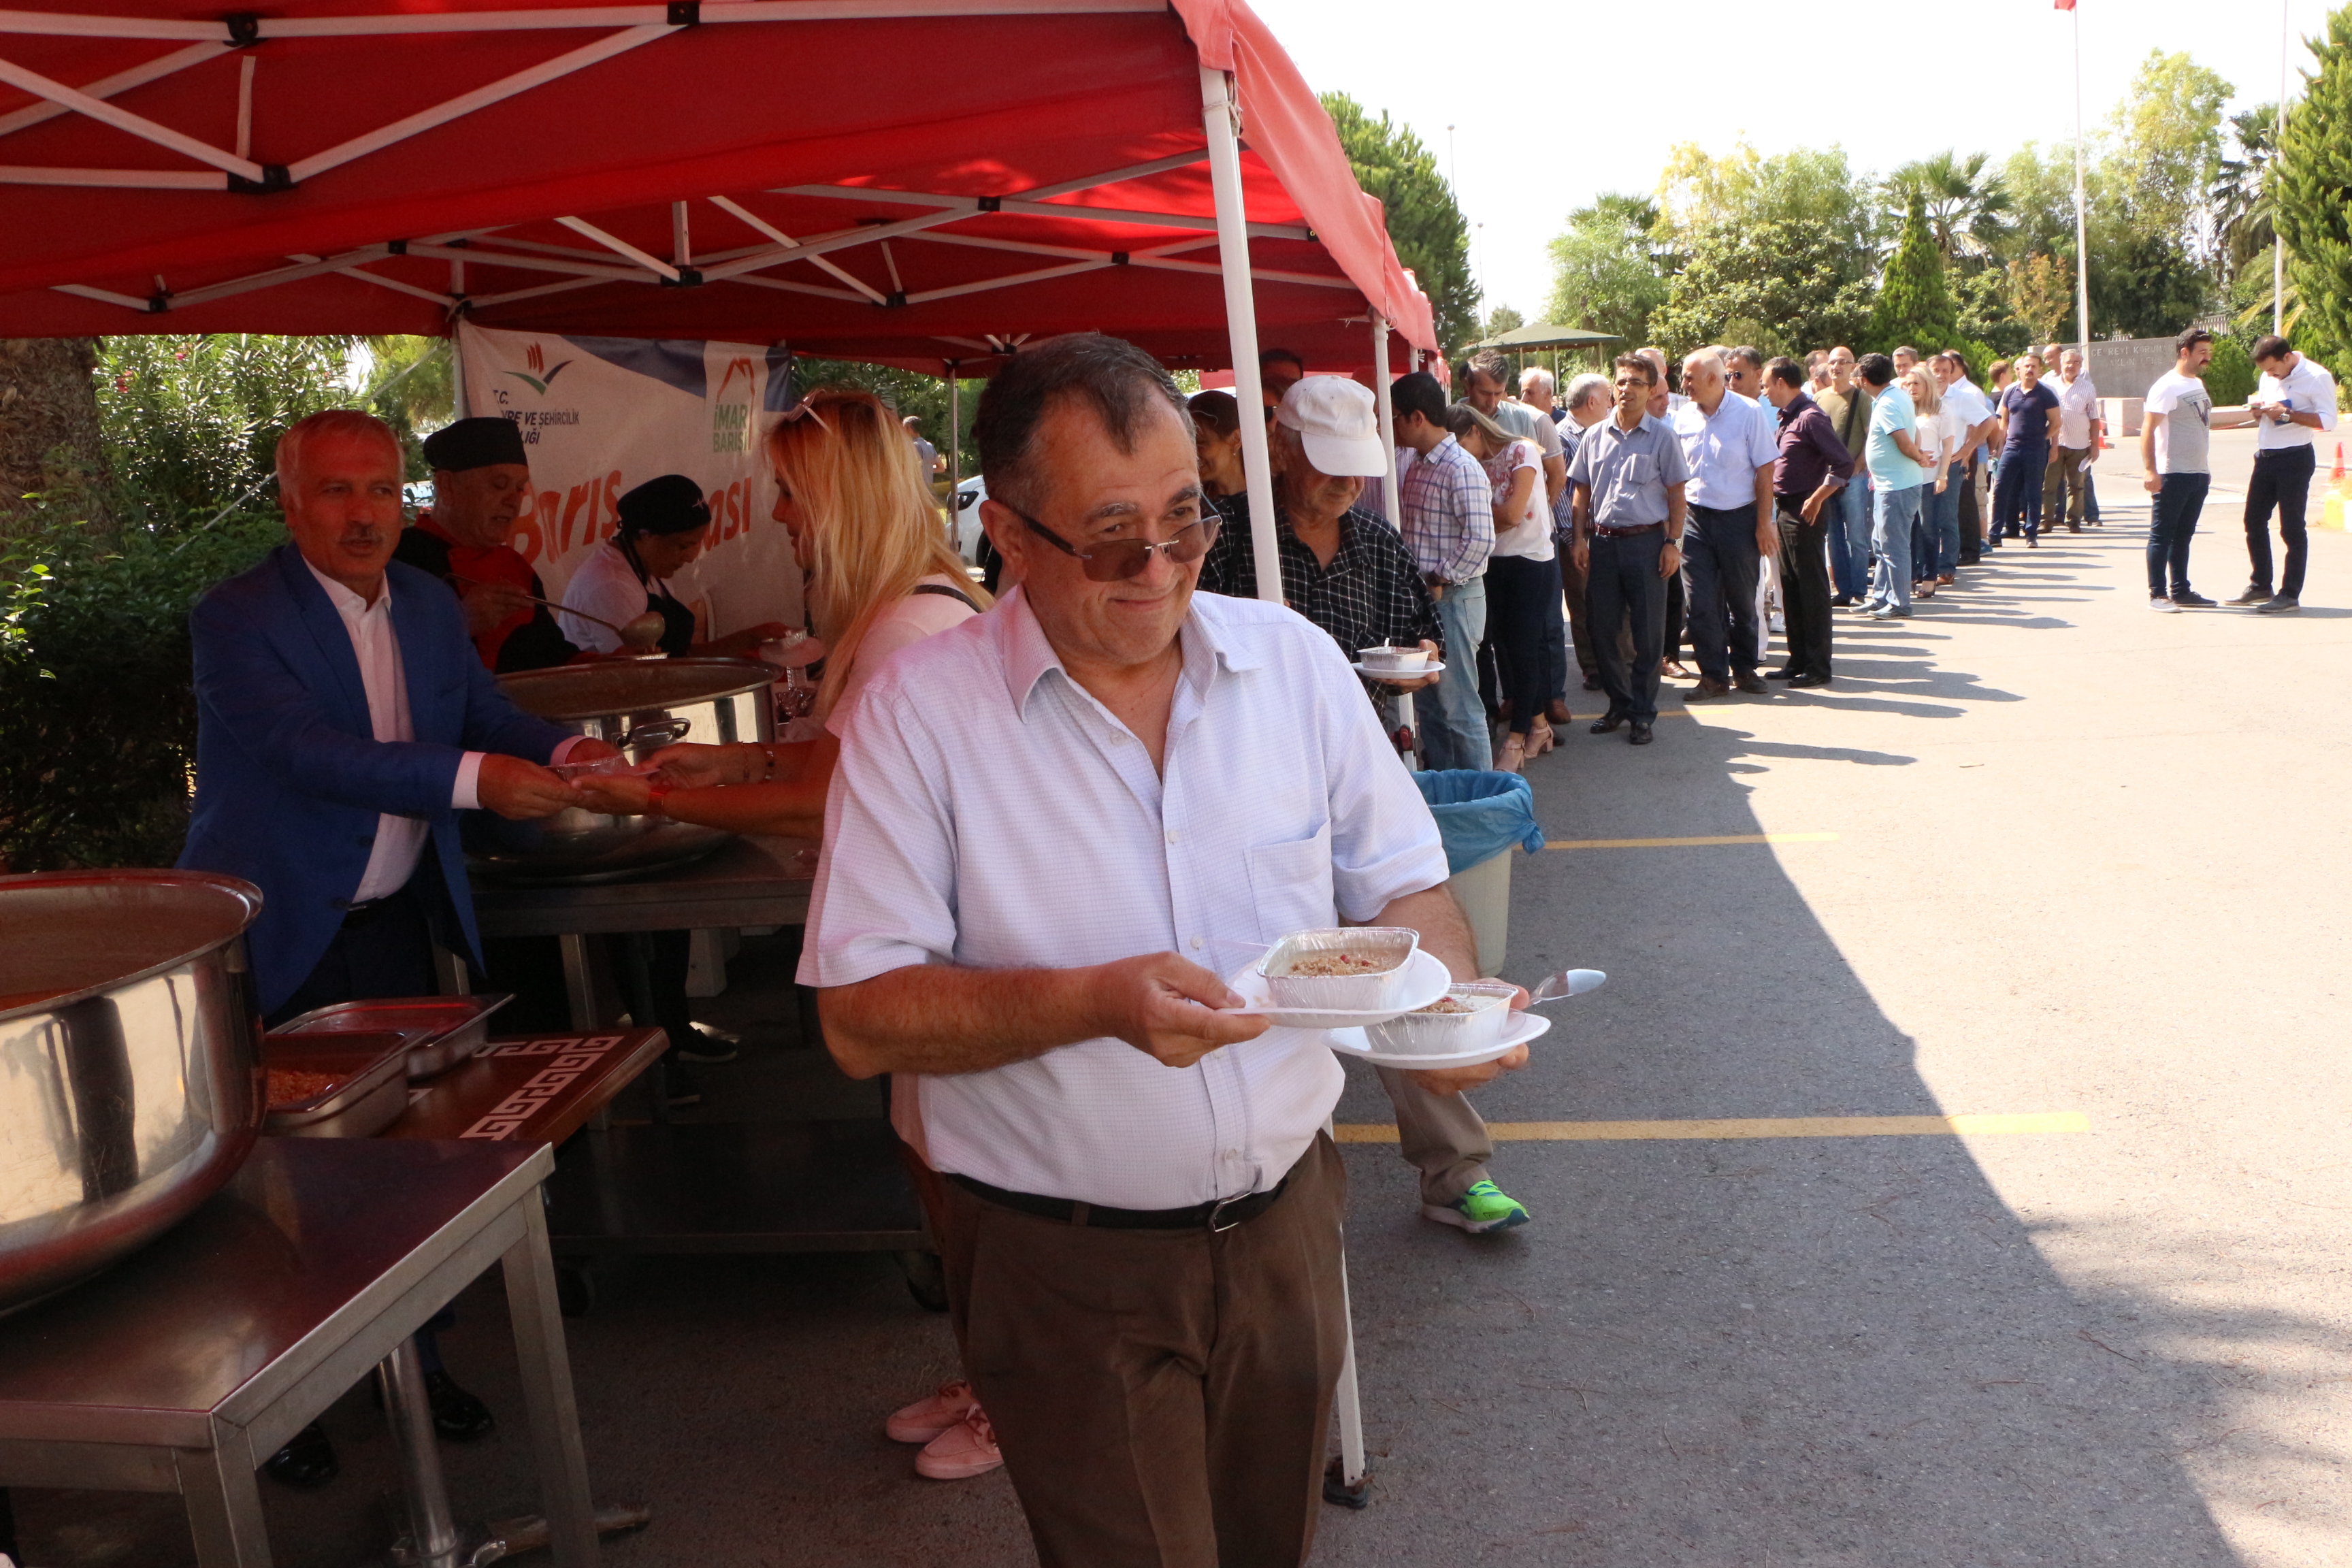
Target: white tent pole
(955, 451)
(458, 370)
(2278, 168)
(1387, 416)
(2082, 242)
(1219, 114)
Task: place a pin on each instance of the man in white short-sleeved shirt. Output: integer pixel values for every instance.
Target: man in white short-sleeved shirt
(2294, 402)
(1051, 829)
(2175, 443)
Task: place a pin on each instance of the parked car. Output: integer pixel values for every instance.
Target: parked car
(968, 530)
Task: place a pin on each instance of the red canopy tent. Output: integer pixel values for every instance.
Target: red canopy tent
(925, 183)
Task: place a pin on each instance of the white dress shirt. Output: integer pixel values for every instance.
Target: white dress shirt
(988, 812)
(606, 586)
(2311, 390)
(1726, 448)
(399, 840)
(2078, 405)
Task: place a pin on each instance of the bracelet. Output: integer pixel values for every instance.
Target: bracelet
(654, 795)
(766, 775)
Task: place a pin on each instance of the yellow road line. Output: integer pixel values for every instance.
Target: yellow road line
(1681, 843)
(1755, 1126)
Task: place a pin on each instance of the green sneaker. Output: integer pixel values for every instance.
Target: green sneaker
(1484, 1207)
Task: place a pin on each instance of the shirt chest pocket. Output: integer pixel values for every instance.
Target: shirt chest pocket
(1290, 884)
(1636, 469)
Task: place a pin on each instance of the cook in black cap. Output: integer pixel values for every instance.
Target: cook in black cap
(481, 483)
(663, 523)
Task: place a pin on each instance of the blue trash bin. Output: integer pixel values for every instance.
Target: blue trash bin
(1480, 816)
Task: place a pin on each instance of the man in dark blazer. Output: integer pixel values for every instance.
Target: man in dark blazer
(342, 723)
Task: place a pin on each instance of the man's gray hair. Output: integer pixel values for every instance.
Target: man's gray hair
(1708, 356)
(1585, 388)
(287, 459)
(1119, 381)
(1536, 376)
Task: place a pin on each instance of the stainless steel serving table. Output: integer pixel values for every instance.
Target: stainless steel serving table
(707, 1187)
(188, 1364)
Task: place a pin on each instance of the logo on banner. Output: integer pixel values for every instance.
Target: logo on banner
(539, 378)
(730, 423)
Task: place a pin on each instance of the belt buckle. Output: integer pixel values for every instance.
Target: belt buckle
(1217, 1211)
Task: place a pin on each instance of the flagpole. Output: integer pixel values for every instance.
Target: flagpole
(2278, 156)
(2082, 242)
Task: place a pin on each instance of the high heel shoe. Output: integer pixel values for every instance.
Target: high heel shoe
(1540, 738)
(1512, 758)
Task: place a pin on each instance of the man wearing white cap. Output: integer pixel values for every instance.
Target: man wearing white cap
(1349, 574)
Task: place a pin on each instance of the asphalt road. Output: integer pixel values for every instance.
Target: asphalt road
(2085, 859)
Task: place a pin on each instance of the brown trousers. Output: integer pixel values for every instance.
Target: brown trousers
(1162, 1397)
(1441, 1135)
(2061, 487)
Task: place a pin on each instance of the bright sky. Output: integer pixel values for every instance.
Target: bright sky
(1713, 68)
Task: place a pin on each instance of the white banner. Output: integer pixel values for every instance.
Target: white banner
(602, 415)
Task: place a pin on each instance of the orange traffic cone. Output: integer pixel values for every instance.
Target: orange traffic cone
(2338, 475)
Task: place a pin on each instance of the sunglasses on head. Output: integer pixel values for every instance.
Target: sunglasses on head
(1116, 560)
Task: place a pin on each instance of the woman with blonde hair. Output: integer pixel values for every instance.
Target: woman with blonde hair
(1936, 537)
(879, 575)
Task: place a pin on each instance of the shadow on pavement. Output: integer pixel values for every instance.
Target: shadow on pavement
(1840, 1352)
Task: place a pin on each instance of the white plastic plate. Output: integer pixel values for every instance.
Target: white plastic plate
(1427, 978)
(1523, 1027)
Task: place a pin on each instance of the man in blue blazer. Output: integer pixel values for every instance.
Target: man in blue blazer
(342, 721)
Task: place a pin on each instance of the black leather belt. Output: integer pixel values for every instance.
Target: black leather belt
(1627, 533)
(1223, 1215)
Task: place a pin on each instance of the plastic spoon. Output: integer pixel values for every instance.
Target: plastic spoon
(1568, 982)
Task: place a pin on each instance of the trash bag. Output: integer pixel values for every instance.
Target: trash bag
(1480, 815)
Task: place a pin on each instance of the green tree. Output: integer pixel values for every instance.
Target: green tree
(2166, 151)
(1425, 223)
(1607, 275)
(2244, 202)
(1915, 306)
(2231, 377)
(1783, 285)
(1964, 201)
(2313, 216)
(1807, 185)
(1500, 320)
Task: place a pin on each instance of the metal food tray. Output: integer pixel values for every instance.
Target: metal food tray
(369, 1095)
(451, 1029)
(1428, 1034)
(1365, 992)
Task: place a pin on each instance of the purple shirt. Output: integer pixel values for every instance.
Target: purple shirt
(1810, 451)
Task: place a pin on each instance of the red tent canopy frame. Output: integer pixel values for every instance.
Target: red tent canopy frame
(924, 183)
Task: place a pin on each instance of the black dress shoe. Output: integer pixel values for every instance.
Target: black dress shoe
(1798, 681)
(1783, 673)
(1641, 733)
(1607, 724)
(308, 1460)
(456, 1414)
(1751, 682)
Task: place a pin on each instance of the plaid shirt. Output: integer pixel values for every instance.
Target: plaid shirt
(1371, 595)
(1449, 512)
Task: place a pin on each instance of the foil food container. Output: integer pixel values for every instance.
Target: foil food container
(369, 1092)
(1448, 1034)
(1395, 660)
(449, 1029)
(1369, 992)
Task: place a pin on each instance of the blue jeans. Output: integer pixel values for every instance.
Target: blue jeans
(2170, 526)
(1849, 520)
(1942, 513)
(1452, 720)
(1890, 535)
(2017, 492)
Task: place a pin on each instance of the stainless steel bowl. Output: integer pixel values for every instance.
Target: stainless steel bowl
(130, 1063)
(639, 706)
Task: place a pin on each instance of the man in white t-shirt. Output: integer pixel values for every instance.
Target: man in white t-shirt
(2078, 427)
(2175, 441)
(1963, 396)
(2295, 401)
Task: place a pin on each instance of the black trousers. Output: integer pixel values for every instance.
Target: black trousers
(1520, 594)
(1623, 586)
(1971, 518)
(1720, 567)
(2282, 480)
(1805, 590)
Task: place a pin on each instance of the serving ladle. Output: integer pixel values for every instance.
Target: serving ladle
(638, 631)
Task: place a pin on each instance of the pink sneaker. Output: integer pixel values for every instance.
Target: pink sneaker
(927, 1418)
(964, 1450)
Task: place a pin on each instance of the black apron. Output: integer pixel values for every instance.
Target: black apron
(677, 621)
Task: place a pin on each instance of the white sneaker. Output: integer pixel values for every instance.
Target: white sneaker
(2163, 606)
(964, 1450)
(927, 1418)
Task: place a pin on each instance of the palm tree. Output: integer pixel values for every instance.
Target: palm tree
(2242, 200)
(1963, 200)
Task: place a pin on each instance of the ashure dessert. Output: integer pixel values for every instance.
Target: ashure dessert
(289, 1087)
(1329, 964)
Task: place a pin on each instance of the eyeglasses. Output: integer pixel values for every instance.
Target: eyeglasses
(1116, 560)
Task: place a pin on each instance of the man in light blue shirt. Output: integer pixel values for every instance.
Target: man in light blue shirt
(1730, 446)
(1628, 481)
(1897, 471)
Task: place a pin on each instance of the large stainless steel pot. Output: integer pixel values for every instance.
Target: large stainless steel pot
(131, 1078)
(640, 706)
